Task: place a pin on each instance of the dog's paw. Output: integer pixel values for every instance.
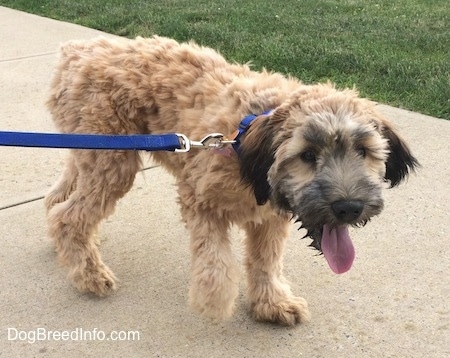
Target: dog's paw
(214, 313)
(100, 280)
(288, 311)
(218, 306)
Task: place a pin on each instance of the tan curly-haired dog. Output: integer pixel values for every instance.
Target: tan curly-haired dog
(320, 156)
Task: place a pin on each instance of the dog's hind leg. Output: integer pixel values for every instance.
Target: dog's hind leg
(269, 292)
(65, 185)
(103, 178)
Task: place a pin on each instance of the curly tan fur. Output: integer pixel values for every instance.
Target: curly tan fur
(157, 85)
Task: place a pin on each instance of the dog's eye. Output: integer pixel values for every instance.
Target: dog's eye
(361, 151)
(308, 156)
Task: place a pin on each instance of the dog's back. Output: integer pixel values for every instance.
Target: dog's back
(118, 86)
(157, 85)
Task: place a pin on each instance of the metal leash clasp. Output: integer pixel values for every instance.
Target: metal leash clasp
(211, 141)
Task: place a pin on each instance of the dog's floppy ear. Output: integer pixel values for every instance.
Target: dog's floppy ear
(400, 161)
(257, 152)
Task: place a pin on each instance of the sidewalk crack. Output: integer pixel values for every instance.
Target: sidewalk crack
(27, 57)
(27, 201)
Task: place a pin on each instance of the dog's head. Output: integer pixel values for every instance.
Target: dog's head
(323, 156)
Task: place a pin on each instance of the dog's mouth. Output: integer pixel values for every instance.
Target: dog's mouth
(335, 244)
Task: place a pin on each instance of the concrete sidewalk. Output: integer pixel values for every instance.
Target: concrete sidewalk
(393, 303)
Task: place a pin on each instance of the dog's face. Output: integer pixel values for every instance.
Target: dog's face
(324, 156)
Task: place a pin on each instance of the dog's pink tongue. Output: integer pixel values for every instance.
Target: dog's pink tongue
(337, 247)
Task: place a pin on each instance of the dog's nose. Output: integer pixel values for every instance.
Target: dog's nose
(347, 210)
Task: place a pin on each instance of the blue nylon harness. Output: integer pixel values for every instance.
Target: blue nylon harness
(243, 127)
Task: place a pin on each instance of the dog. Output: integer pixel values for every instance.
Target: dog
(320, 156)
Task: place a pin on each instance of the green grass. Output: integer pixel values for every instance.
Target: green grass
(394, 51)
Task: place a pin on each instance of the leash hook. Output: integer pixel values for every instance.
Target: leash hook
(211, 141)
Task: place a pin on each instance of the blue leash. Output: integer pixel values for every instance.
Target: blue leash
(168, 142)
(174, 142)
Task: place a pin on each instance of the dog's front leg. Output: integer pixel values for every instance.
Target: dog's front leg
(214, 272)
(270, 295)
